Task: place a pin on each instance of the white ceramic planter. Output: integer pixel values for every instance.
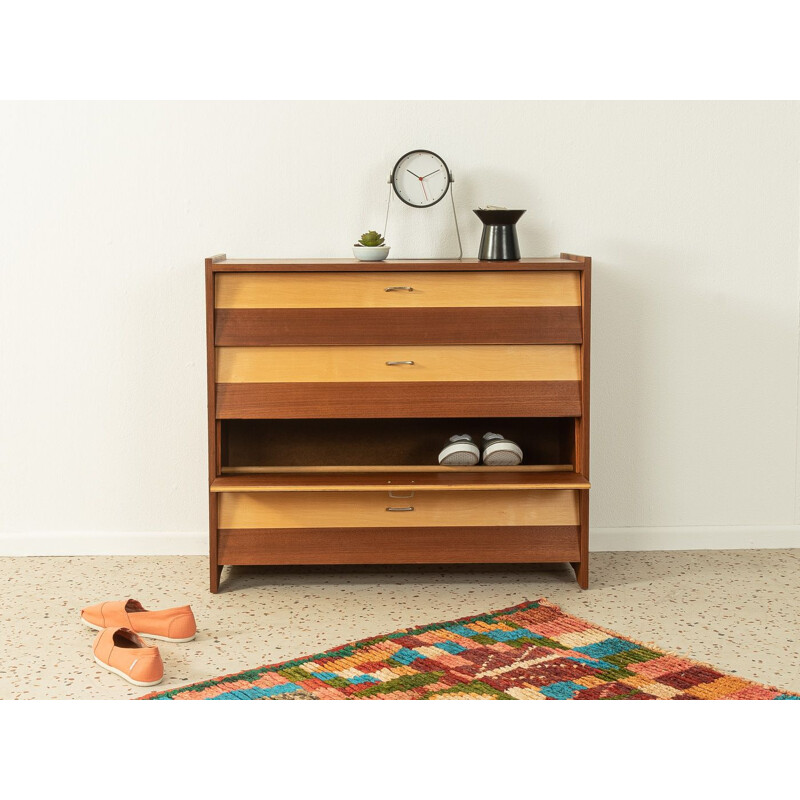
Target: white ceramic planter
(371, 253)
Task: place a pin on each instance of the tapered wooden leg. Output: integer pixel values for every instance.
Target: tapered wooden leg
(581, 573)
(216, 573)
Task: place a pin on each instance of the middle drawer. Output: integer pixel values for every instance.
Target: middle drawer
(398, 363)
(398, 381)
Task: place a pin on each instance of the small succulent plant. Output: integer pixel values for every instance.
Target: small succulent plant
(370, 239)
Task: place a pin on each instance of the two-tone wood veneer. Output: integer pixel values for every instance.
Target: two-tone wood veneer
(333, 384)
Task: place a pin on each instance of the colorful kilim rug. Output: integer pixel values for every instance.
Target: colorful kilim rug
(532, 651)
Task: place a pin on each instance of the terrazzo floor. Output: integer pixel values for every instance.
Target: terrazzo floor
(738, 610)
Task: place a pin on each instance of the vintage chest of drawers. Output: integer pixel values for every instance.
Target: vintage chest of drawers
(333, 384)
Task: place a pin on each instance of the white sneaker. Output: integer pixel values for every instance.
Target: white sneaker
(460, 451)
(499, 452)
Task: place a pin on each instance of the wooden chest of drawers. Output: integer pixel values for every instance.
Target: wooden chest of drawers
(333, 384)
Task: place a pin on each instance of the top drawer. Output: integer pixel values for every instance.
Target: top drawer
(398, 307)
(398, 290)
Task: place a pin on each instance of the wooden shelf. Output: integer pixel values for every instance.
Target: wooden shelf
(399, 468)
(386, 480)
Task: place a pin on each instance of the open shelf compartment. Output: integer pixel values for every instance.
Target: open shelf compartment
(399, 445)
(388, 455)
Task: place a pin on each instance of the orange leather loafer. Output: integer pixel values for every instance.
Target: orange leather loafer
(121, 651)
(170, 625)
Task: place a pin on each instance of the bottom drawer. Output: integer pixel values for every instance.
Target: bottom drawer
(522, 526)
(375, 509)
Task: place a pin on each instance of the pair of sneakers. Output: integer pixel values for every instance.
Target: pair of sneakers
(494, 451)
(118, 647)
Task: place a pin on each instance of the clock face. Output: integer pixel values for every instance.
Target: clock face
(420, 178)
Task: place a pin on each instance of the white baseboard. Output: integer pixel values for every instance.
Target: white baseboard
(104, 543)
(710, 537)
(191, 543)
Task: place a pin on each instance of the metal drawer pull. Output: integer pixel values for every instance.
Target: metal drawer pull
(407, 508)
(400, 496)
(399, 289)
(395, 363)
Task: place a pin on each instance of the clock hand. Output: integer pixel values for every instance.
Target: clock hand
(420, 181)
(429, 174)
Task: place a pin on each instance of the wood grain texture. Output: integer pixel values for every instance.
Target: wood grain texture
(368, 364)
(453, 545)
(368, 290)
(359, 509)
(373, 326)
(373, 400)
(442, 479)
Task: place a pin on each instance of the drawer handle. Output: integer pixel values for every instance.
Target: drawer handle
(405, 508)
(395, 363)
(400, 496)
(399, 289)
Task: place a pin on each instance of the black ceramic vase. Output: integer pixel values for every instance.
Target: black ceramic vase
(499, 239)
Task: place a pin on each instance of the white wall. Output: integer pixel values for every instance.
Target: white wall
(689, 210)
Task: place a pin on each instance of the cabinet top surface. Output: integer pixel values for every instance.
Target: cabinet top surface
(223, 264)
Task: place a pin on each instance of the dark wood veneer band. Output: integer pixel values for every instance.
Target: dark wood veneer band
(433, 545)
(390, 399)
(262, 327)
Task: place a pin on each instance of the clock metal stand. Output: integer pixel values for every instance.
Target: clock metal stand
(450, 181)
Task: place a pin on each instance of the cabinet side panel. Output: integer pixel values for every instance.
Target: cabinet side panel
(213, 429)
(211, 373)
(581, 566)
(586, 302)
(586, 305)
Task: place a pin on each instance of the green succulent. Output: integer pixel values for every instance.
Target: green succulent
(370, 239)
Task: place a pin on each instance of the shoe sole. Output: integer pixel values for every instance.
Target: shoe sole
(460, 454)
(127, 677)
(146, 635)
(502, 454)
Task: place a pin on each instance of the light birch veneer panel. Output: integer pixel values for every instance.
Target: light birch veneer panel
(368, 290)
(368, 509)
(319, 364)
